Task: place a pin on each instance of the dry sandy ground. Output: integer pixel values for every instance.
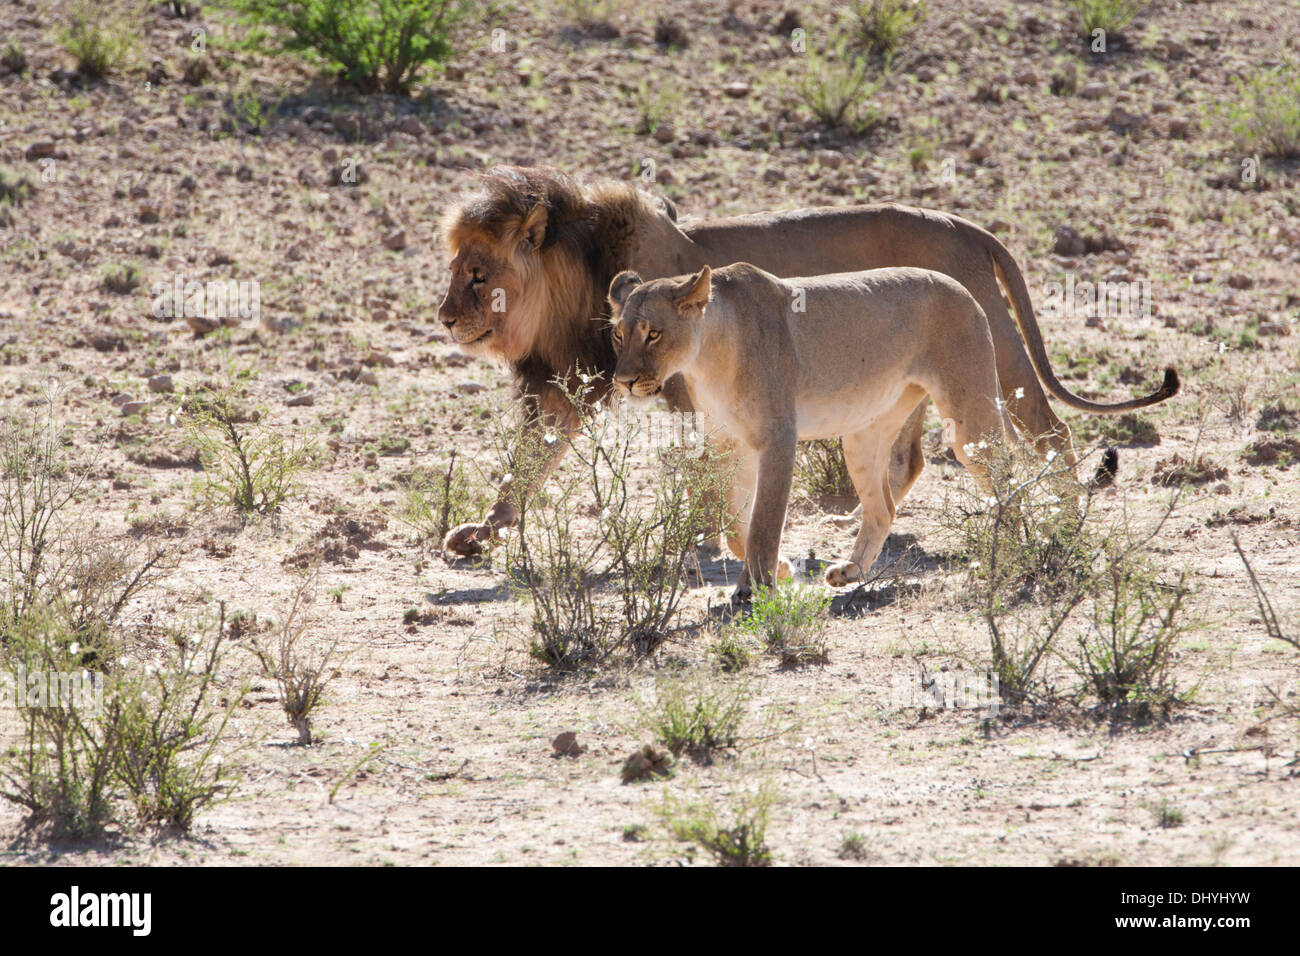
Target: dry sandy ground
(167, 176)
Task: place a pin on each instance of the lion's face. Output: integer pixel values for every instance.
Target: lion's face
(656, 329)
(484, 297)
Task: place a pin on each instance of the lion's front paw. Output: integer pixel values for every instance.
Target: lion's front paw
(466, 541)
(839, 575)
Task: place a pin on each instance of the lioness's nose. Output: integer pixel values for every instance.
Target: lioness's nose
(446, 319)
(625, 381)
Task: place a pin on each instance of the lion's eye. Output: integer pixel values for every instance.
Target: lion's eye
(478, 277)
(652, 335)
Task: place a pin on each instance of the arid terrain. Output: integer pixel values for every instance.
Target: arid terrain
(433, 743)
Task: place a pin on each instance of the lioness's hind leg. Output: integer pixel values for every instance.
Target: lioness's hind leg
(867, 455)
(972, 418)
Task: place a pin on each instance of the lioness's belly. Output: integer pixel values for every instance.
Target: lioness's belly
(833, 412)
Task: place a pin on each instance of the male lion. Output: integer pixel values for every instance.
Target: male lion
(854, 363)
(533, 254)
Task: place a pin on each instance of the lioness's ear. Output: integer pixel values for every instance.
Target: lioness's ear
(534, 226)
(697, 292)
(622, 287)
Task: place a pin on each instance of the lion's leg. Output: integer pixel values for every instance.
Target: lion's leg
(1024, 396)
(906, 458)
(867, 454)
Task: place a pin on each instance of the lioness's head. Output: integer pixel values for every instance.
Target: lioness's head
(656, 328)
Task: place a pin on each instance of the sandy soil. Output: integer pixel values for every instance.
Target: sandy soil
(169, 177)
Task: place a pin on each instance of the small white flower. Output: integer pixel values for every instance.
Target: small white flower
(604, 515)
(969, 449)
(1222, 348)
(1020, 393)
(510, 476)
(983, 444)
(551, 438)
(991, 502)
(74, 648)
(1051, 455)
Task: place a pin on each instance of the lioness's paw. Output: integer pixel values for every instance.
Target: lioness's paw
(839, 575)
(784, 571)
(466, 541)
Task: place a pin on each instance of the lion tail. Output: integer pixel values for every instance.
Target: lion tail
(1008, 273)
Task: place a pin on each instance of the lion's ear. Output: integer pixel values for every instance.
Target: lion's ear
(698, 289)
(622, 287)
(534, 226)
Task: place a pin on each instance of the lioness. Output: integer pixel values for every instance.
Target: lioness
(867, 348)
(532, 255)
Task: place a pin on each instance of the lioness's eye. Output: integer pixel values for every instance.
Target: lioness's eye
(478, 276)
(652, 335)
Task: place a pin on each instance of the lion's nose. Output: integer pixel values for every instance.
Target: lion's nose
(625, 381)
(447, 320)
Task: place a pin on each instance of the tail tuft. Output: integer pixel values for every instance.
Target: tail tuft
(1171, 384)
(1108, 467)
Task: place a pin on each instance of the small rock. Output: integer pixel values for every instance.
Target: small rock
(201, 324)
(566, 745)
(672, 33)
(133, 408)
(160, 383)
(789, 22)
(1121, 119)
(1068, 242)
(368, 377)
(410, 125)
(106, 341)
(1092, 91)
(470, 388)
(375, 357)
(649, 761)
(1239, 280)
(40, 150)
(395, 240)
(736, 90)
(301, 398)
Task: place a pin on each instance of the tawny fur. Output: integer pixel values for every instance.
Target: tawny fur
(553, 291)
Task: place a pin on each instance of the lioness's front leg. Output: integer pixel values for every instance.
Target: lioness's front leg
(767, 519)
